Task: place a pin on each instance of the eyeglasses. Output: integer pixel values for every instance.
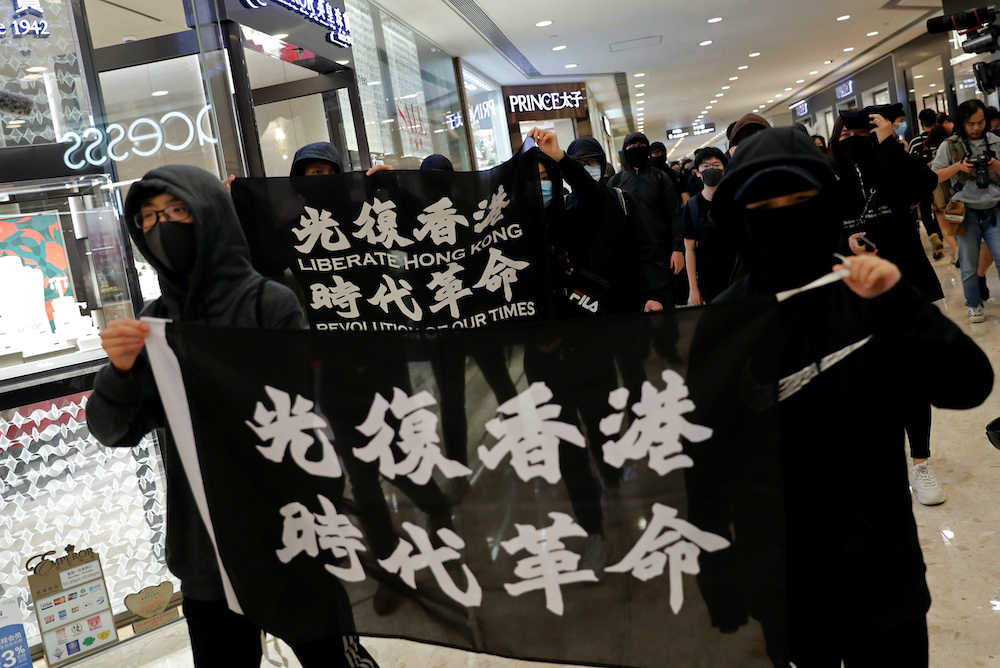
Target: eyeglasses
(174, 214)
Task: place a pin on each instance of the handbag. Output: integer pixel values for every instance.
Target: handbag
(954, 213)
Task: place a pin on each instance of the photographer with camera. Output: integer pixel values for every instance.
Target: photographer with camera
(967, 167)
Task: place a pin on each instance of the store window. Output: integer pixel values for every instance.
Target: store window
(487, 119)
(926, 86)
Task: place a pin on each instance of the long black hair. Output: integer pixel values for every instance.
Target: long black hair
(965, 111)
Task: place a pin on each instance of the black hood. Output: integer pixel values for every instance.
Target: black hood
(222, 271)
(319, 151)
(436, 163)
(588, 147)
(630, 139)
(795, 153)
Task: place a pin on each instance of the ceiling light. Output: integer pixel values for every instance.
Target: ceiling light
(717, 19)
(342, 62)
(705, 43)
(844, 17)
(770, 101)
(543, 24)
(640, 85)
(918, 76)
(715, 101)
(779, 95)
(559, 48)
(849, 49)
(160, 93)
(800, 81)
(733, 78)
(872, 34)
(933, 85)
(720, 95)
(787, 89)
(37, 69)
(940, 69)
(828, 62)
(570, 66)
(639, 74)
(640, 94)
(726, 87)
(743, 67)
(912, 91)
(814, 72)
(755, 54)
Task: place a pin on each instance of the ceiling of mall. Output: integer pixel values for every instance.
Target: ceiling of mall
(686, 63)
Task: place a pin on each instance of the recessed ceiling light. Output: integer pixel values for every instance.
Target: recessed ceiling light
(717, 19)
(640, 85)
(918, 76)
(640, 94)
(849, 49)
(639, 74)
(933, 85)
(814, 72)
(733, 78)
(940, 69)
(770, 101)
(715, 101)
(779, 95)
(726, 87)
(343, 62)
(872, 33)
(160, 93)
(705, 43)
(559, 48)
(912, 91)
(787, 89)
(570, 66)
(743, 67)
(828, 62)
(543, 24)
(844, 17)
(755, 54)
(37, 69)
(720, 95)
(800, 81)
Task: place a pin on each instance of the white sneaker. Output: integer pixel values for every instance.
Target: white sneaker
(977, 314)
(923, 482)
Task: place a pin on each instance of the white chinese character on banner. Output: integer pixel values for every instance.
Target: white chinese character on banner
(552, 564)
(497, 204)
(500, 272)
(342, 294)
(657, 430)
(668, 538)
(449, 289)
(286, 427)
(320, 226)
(382, 230)
(22, 7)
(302, 531)
(406, 563)
(390, 293)
(530, 433)
(440, 220)
(418, 439)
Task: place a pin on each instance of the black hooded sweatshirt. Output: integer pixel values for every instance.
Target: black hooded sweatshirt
(321, 150)
(225, 291)
(602, 238)
(657, 214)
(852, 546)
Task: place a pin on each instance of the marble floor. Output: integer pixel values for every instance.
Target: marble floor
(960, 539)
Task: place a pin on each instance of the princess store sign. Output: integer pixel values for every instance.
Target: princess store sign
(27, 20)
(317, 11)
(174, 131)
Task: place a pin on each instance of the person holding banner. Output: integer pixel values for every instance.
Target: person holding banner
(183, 221)
(856, 576)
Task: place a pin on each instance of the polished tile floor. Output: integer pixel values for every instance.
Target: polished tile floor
(960, 539)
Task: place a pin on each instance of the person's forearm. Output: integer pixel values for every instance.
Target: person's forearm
(946, 173)
(689, 261)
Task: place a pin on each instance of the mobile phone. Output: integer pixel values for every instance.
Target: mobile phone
(868, 244)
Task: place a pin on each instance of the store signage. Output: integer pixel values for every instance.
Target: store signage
(318, 11)
(72, 604)
(14, 652)
(800, 108)
(548, 101)
(174, 131)
(702, 129)
(23, 27)
(151, 604)
(845, 89)
(677, 133)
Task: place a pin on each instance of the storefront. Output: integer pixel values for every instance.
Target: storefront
(232, 86)
(562, 108)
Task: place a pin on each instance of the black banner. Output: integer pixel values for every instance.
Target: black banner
(404, 250)
(576, 493)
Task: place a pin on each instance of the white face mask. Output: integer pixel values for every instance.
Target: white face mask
(594, 171)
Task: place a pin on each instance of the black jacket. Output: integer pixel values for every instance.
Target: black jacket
(225, 291)
(602, 238)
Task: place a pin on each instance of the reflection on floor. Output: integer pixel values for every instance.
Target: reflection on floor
(960, 540)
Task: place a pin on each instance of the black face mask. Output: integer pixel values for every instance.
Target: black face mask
(794, 244)
(174, 245)
(638, 156)
(712, 177)
(658, 161)
(858, 150)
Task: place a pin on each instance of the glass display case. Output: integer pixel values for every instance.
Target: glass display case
(64, 274)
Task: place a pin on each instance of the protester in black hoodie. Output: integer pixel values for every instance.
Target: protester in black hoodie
(856, 584)
(182, 220)
(657, 211)
(678, 176)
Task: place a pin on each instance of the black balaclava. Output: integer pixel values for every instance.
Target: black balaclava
(658, 161)
(174, 245)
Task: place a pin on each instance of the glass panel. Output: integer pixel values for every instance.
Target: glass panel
(286, 126)
(487, 118)
(61, 487)
(368, 70)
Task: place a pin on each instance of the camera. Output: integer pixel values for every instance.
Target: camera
(981, 168)
(983, 37)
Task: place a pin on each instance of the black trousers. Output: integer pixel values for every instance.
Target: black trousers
(220, 637)
(904, 646)
(917, 421)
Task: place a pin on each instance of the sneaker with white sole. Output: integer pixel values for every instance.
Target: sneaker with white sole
(923, 482)
(977, 314)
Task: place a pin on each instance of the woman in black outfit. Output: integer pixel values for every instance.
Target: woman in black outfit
(879, 183)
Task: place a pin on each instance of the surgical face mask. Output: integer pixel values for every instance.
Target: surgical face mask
(638, 156)
(174, 245)
(712, 177)
(594, 171)
(901, 130)
(546, 193)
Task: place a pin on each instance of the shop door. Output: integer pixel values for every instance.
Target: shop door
(323, 108)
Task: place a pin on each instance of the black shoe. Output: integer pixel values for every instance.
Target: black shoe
(984, 291)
